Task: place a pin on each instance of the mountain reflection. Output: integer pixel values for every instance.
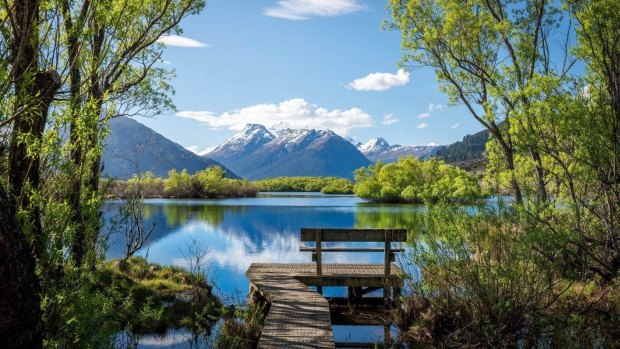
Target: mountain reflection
(239, 232)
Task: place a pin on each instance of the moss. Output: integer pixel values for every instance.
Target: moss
(151, 298)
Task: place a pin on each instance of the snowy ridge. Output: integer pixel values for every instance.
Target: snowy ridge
(375, 146)
(252, 136)
(378, 149)
(257, 153)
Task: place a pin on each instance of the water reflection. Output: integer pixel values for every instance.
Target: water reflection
(265, 229)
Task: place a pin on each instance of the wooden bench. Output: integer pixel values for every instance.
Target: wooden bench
(321, 235)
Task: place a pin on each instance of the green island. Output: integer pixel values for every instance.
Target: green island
(211, 183)
(410, 180)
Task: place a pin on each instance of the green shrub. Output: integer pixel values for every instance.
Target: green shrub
(415, 181)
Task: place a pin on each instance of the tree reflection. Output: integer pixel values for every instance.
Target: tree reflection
(388, 216)
(180, 214)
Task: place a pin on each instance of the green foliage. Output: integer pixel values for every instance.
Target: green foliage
(415, 181)
(475, 278)
(150, 298)
(545, 270)
(77, 314)
(327, 185)
(209, 183)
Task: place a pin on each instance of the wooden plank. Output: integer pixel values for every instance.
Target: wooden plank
(359, 345)
(309, 269)
(352, 281)
(349, 249)
(298, 317)
(355, 235)
(353, 275)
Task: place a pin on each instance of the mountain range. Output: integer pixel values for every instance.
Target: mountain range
(378, 149)
(133, 148)
(257, 153)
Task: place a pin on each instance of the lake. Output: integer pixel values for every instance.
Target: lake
(264, 229)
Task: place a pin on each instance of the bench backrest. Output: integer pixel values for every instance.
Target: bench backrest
(354, 235)
(320, 235)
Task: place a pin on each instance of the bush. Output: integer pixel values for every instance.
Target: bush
(416, 181)
(484, 278)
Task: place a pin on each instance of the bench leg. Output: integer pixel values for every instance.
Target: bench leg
(354, 295)
(387, 336)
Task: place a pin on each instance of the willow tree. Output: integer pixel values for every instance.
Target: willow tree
(113, 57)
(486, 55)
(66, 65)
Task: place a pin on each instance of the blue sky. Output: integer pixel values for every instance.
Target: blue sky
(301, 63)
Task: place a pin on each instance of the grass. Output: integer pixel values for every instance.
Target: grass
(151, 298)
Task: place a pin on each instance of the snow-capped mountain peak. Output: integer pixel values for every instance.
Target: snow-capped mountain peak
(251, 137)
(379, 149)
(375, 146)
(256, 153)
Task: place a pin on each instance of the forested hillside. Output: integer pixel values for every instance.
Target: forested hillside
(470, 148)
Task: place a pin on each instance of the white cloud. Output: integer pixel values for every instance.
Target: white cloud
(380, 81)
(435, 107)
(424, 115)
(200, 151)
(422, 126)
(390, 120)
(304, 9)
(455, 125)
(432, 144)
(295, 113)
(180, 41)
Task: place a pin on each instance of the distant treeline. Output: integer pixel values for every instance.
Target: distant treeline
(415, 181)
(327, 185)
(210, 183)
(409, 180)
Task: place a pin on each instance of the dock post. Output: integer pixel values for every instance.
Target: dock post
(388, 254)
(355, 295)
(319, 262)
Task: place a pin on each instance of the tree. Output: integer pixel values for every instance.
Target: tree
(66, 65)
(119, 62)
(486, 55)
(416, 181)
(20, 323)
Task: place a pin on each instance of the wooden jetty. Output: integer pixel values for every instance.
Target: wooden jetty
(299, 316)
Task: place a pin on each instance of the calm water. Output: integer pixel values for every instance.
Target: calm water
(264, 229)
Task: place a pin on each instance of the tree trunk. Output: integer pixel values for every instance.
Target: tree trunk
(95, 95)
(75, 107)
(20, 302)
(34, 93)
(510, 164)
